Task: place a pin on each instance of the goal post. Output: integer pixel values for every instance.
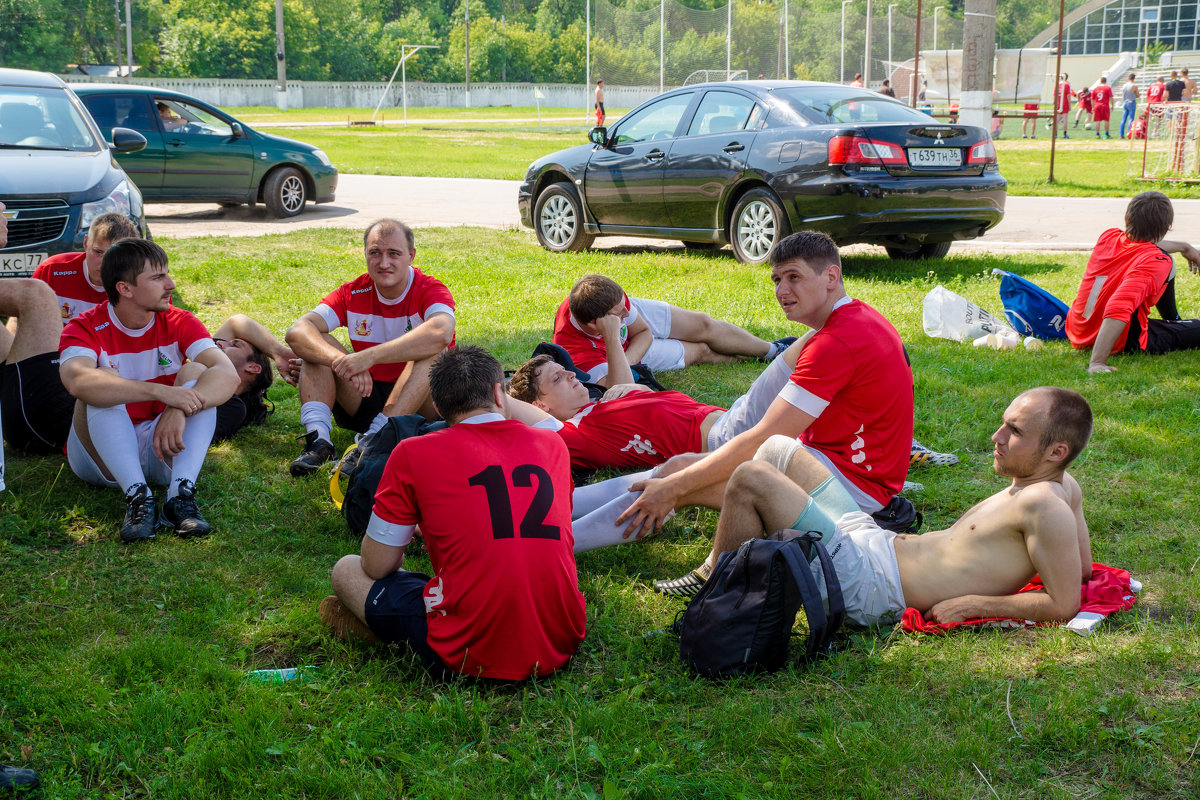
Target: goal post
(1170, 150)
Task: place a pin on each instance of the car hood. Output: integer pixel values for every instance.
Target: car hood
(282, 141)
(75, 177)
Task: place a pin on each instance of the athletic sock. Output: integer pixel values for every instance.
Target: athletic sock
(197, 436)
(586, 499)
(316, 416)
(115, 440)
(599, 528)
(376, 424)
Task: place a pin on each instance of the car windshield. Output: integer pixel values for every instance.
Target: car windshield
(825, 105)
(42, 119)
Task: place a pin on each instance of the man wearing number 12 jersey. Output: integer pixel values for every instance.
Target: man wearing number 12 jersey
(493, 501)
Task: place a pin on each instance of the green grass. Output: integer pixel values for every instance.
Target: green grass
(121, 668)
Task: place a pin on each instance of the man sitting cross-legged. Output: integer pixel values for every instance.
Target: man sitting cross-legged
(493, 499)
(398, 320)
(973, 569)
(120, 360)
(598, 315)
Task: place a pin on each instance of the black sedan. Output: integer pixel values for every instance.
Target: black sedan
(747, 162)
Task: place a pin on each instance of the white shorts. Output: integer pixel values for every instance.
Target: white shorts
(86, 468)
(665, 353)
(864, 556)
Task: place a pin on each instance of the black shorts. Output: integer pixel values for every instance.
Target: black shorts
(360, 420)
(395, 612)
(1163, 336)
(37, 408)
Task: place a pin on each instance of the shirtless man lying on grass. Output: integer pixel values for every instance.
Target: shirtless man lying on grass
(971, 570)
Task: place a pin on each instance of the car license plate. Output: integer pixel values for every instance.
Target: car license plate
(935, 156)
(17, 264)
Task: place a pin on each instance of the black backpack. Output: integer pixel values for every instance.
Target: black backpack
(364, 478)
(741, 620)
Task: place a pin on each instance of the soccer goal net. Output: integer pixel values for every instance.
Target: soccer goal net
(1169, 147)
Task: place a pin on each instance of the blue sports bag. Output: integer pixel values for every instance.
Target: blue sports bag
(1031, 310)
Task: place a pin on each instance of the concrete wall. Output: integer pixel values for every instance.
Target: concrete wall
(328, 94)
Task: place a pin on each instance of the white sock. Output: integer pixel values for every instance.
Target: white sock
(115, 440)
(197, 436)
(599, 528)
(586, 499)
(377, 423)
(316, 416)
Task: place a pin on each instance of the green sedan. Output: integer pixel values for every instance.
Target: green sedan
(196, 153)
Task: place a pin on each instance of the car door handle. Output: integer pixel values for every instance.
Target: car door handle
(734, 147)
(175, 142)
(655, 155)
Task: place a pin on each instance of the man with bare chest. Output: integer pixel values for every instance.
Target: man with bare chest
(974, 568)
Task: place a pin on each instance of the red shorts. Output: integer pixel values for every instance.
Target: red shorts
(1101, 112)
(1031, 110)
(1085, 103)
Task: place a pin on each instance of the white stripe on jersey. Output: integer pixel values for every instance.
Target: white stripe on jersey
(803, 399)
(144, 365)
(389, 533)
(377, 329)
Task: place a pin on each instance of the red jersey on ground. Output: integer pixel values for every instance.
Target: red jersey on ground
(153, 354)
(1102, 97)
(371, 319)
(1122, 278)
(66, 273)
(640, 429)
(493, 499)
(853, 377)
(585, 349)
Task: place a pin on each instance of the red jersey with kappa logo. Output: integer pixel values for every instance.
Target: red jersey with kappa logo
(153, 354)
(66, 273)
(639, 429)
(493, 500)
(1123, 277)
(587, 350)
(372, 319)
(854, 378)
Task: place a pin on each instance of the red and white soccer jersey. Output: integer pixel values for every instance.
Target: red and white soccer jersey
(1155, 92)
(154, 353)
(1101, 102)
(372, 319)
(853, 377)
(1122, 278)
(640, 429)
(586, 350)
(66, 273)
(493, 499)
(1064, 98)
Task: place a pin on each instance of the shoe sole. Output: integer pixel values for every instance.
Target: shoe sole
(344, 624)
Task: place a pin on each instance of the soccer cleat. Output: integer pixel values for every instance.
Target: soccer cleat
(17, 779)
(778, 346)
(182, 513)
(141, 515)
(923, 456)
(345, 625)
(316, 452)
(687, 586)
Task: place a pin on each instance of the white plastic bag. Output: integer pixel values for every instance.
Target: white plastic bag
(947, 315)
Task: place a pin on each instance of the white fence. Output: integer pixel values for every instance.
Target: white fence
(328, 94)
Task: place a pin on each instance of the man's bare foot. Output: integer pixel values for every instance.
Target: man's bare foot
(345, 625)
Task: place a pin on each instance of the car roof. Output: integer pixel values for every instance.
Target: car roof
(28, 77)
(123, 88)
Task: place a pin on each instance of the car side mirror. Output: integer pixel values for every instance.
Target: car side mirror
(125, 140)
(599, 135)
(238, 131)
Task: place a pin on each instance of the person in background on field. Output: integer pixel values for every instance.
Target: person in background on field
(1129, 272)
(493, 499)
(1189, 86)
(858, 81)
(997, 124)
(1029, 123)
(1174, 88)
(600, 102)
(1084, 96)
(1102, 99)
(1129, 101)
(398, 320)
(1062, 94)
(1156, 94)
(887, 88)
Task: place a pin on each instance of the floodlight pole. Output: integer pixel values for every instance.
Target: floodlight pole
(1062, 10)
(842, 66)
(939, 8)
(662, 61)
(787, 55)
(728, 38)
(467, 9)
(866, 70)
(401, 68)
(890, 67)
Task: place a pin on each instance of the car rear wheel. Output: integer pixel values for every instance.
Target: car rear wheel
(925, 251)
(558, 220)
(758, 222)
(285, 193)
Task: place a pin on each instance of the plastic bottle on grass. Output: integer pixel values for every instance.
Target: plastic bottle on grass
(282, 675)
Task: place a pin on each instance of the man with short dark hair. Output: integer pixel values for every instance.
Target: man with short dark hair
(600, 113)
(1189, 86)
(398, 320)
(1102, 98)
(252, 349)
(144, 409)
(972, 570)
(1129, 272)
(493, 499)
(75, 277)
(1175, 88)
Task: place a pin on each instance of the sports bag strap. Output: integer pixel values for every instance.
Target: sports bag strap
(814, 609)
(335, 481)
(833, 591)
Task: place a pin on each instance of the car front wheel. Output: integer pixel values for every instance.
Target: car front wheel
(758, 222)
(285, 193)
(558, 220)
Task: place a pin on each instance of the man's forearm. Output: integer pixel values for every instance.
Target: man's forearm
(309, 343)
(216, 386)
(254, 332)
(1035, 606)
(1106, 340)
(424, 341)
(104, 389)
(637, 347)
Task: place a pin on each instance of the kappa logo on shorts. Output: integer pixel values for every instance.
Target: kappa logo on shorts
(639, 445)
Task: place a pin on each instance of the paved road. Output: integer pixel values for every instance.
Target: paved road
(1030, 223)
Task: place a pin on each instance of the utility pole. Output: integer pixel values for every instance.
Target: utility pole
(128, 40)
(912, 96)
(467, 7)
(979, 53)
(1062, 10)
(280, 60)
(866, 70)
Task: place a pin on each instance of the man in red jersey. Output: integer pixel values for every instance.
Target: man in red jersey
(122, 361)
(1129, 272)
(493, 501)
(598, 314)
(849, 401)
(1102, 99)
(75, 277)
(398, 320)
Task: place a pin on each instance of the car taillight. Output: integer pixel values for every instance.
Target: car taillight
(857, 150)
(982, 153)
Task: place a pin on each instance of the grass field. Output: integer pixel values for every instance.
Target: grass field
(122, 668)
